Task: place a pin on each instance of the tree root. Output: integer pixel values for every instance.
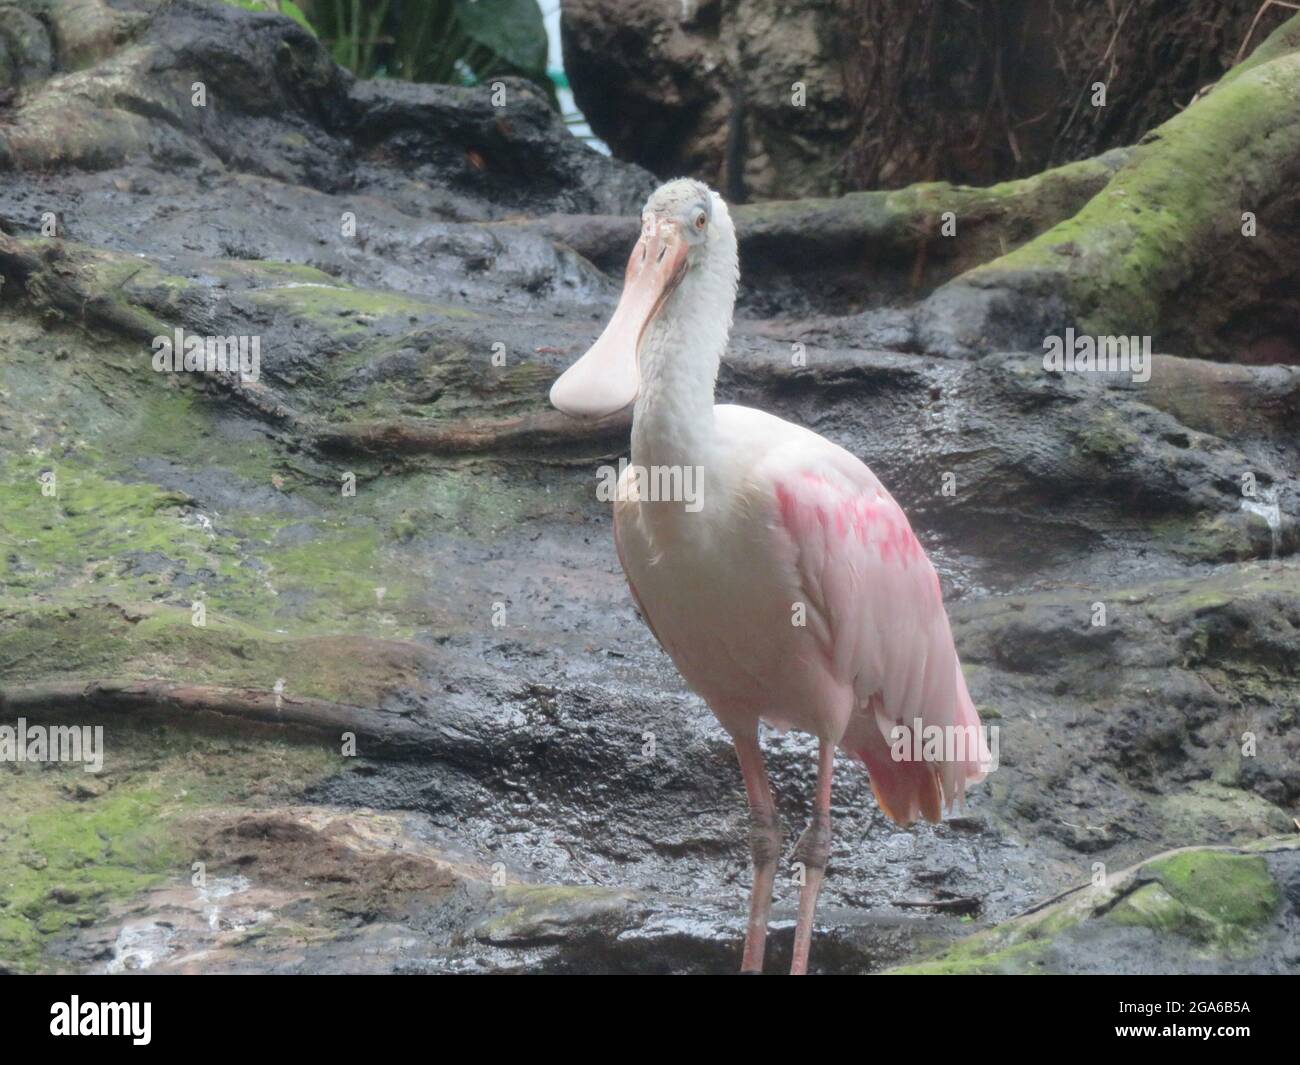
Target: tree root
(527, 432)
(871, 236)
(1224, 399)
(376, 731)
(1193, 242)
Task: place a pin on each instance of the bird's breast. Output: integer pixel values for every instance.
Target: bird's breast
(721, 598)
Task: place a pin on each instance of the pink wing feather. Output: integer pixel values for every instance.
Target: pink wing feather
(875, 606)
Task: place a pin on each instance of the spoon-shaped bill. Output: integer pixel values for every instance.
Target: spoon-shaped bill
(606, 379)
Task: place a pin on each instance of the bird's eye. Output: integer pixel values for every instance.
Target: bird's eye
(699, 220)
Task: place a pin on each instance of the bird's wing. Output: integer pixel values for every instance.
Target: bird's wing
(631, 587)
(874, 605)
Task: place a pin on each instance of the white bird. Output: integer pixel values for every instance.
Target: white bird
(792, 590)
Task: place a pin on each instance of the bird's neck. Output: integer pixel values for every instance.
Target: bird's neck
(672, 422)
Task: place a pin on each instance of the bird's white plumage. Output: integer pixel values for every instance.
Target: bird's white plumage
(798, 595)
(787, 586)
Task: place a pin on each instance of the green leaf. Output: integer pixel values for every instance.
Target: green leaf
(512, 30)
(288, 7)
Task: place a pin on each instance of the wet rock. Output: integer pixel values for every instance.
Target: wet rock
(667, 90)
(317, 889)
(1190, 911)
(273, 104)
(25, 52)
(894, 92)
(546, 914)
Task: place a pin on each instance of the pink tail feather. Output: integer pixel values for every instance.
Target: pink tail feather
(906, 788)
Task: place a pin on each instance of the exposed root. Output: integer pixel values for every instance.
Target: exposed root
(526, 432)
(384, 733)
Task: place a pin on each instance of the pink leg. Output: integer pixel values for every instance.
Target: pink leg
(765, 846)
(813, 849)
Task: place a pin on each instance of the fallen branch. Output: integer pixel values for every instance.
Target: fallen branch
(527, 432)
(962, 905)
(53, 278)
(863, 229)
(377, 731)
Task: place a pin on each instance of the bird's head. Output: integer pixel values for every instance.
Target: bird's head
(687, 245)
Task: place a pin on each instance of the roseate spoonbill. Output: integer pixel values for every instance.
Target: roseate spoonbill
(796, 594)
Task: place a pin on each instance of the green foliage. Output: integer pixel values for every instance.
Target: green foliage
(462, 42)
(511, 30)
(288, 7)
(284, 7)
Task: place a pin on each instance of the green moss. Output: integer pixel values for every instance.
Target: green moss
(1205, 594)
(74, 844)
(1018, 946)
(1109, 438)
(339, 566)
(318, 571)
(540, 911)
(261, 272)
(335, 307)
(1124, 259)
(1219, 809)
(1286, 38)
(1216, 901)
(1214, 538)
(82, 539)
(1151, 906)
(1231, 889)
(1038, 200)
(101, 537)
(981, 955)
(899, 216)
(1274, 843)
(93, 641)
(176, 422)
(1212, 898)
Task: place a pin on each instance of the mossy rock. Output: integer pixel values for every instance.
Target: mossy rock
(74, 845)
(1193, 910)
